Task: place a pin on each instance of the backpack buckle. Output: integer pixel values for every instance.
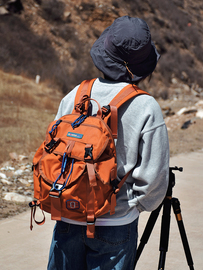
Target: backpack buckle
(115, 187)
(34, 203)
(91, 222)
(106, 110)
(88, 153)
(55, 190)
(50, 145)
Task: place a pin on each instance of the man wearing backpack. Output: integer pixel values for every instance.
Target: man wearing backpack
(125, 54)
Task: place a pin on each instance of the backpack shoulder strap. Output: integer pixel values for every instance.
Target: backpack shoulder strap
(83, 90)
(124, 95)
(129, 91)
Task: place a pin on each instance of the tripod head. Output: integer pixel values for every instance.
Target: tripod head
(172, 179)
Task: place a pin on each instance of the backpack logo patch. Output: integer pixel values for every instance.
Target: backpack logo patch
(72, 204)
(75, 135)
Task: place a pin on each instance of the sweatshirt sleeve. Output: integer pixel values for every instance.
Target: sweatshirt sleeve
(152, 170)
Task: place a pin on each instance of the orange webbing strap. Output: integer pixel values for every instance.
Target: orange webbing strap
(90, 213)
(124, 95)
(113, 196)
(33, 206)
(56, 201)
(113, 121)
(91, 199)
(55, 208)
(83, 90)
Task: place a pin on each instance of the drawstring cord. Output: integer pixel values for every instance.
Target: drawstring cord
(79, 120)
(63, 167)
(126, 65)
(54, 127)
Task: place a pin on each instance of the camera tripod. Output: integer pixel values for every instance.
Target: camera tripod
(165, 225)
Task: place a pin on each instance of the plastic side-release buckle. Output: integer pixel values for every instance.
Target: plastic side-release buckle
(88, 153)
(56, 190)
(106, 110)
(115, 187)
(52, 144)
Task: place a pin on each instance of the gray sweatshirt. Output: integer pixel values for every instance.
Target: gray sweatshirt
(142, 144)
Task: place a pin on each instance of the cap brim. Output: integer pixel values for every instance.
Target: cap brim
(118, 71)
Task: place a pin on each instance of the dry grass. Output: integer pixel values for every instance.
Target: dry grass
(26, 109)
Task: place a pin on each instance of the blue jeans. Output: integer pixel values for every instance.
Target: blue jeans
(114, 247)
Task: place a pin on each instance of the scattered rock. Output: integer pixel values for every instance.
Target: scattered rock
(23, 181)
(186, 124)
(2, 175)
(12, 196)
(22, 157)
(6, 182)
(199, 113)
(7, 168)
(183, 118)
(13, 156)
(167, 111)
(16, 180)
(19, 172)
(11, 6)
(3, 11)
(187, 110)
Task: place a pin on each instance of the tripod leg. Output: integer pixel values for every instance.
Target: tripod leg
(147, 232)
(177, 212)
(165, 228)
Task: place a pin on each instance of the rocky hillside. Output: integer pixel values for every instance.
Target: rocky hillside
(52, 38)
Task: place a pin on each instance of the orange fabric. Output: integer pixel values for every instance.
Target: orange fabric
(55, 207)
(83, 90)
(125, 94)
(83, 191)
(90, 230)
(114, 122)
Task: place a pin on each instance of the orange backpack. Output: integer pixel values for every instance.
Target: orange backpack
(75, 169)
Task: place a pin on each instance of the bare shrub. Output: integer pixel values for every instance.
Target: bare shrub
(39, 2)
(115, 3)
(86, 7)
(84, 70)
(23, 52)
(53, 10)
(15, 6)
(179, 3)
(66, 32)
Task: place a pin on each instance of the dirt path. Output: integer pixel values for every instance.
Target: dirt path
(22, 249)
